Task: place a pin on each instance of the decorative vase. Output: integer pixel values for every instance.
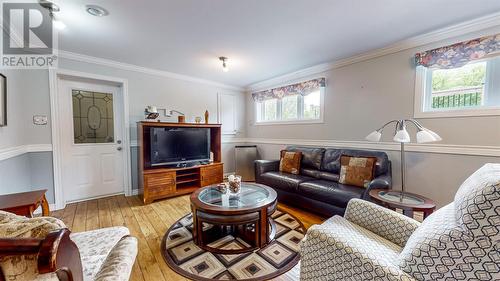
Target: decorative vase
(181, 118)
(206, 116)
(234, 184)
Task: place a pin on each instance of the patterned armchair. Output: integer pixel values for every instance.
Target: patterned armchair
(460, 241)
(43, 249)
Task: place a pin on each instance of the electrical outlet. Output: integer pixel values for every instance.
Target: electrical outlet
(40, 120)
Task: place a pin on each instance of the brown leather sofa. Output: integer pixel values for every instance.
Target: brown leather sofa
(316, 188)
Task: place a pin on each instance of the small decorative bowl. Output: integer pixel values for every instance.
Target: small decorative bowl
(222, 187)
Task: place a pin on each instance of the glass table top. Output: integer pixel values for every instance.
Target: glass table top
(249, 195)
(395, 196)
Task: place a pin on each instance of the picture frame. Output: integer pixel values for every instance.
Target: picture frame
(3, 100)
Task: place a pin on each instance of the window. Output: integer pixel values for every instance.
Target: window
(461, 87)
(473, 89)
(291, 109)
(459, 80)
(93, 119)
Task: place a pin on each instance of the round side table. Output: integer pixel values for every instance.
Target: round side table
(409, 203)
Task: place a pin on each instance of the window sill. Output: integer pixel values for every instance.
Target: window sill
(491, 111)
(292, 122)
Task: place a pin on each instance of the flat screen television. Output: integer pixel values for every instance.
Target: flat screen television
(174, 146)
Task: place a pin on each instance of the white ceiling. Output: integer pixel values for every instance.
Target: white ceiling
(262, 38)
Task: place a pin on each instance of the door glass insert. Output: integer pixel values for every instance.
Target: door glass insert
(93, 118)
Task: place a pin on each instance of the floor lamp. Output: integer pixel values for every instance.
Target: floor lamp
(402, 136)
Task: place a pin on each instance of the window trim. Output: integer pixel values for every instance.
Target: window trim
(422, 84)
(300, 106)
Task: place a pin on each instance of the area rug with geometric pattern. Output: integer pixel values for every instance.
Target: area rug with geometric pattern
(187, 259)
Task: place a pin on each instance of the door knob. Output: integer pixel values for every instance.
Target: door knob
(119, 148)
(118, 141)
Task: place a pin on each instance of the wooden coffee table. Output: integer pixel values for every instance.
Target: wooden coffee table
(411, 202)
(25, 203)
(246, 216)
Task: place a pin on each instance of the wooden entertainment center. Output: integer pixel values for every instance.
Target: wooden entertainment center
(159, 182)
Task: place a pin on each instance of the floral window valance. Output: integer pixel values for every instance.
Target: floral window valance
(459, 54)
(302, 88)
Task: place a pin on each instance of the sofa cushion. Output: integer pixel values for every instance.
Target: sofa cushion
(329, 176)
(290, 162)
(331, 160)
(311, 156)
(284, 181)
(310, 172)
(330, 192)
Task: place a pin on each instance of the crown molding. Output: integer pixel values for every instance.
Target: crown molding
(475, 25)
(141, 69)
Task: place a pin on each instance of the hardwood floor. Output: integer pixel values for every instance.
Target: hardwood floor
(149, 223)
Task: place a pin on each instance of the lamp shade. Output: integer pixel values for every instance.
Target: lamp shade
(402, 135)
(374, 136)
(434, 134)
(424, 136)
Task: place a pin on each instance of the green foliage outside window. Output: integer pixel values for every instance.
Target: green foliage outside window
(467, 76)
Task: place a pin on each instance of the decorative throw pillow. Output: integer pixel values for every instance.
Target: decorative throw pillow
(357, 171)
(290, 162)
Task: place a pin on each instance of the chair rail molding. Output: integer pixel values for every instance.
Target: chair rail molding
(11, 152)
(473, 150)
(477, 26)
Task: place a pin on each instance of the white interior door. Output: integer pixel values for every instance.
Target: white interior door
(91, 134)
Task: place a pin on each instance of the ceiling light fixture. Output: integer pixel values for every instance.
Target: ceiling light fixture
(96, 10)
(53, 8)
(224, 64)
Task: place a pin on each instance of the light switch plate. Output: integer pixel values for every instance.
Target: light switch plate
(40, 120)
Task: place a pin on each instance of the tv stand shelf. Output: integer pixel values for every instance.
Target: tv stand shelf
(160, 182)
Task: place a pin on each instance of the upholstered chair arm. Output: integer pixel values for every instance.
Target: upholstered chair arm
(57, 256)
(264, 166)
(119, 262)
(386, 223)
(335, 253)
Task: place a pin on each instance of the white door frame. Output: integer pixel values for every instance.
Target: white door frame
(54, 76)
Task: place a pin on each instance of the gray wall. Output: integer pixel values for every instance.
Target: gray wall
(27, 95)
(29, 171)
(361, 97)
